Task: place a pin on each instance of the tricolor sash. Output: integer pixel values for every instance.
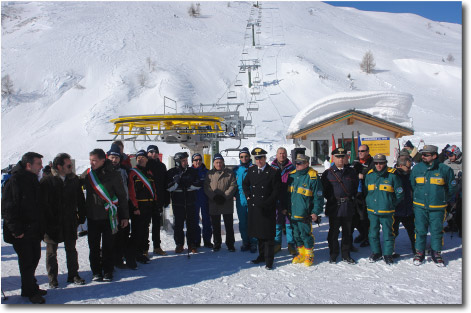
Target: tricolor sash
(145, 180)
(110, 205)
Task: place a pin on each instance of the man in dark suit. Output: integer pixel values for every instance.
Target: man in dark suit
(262, 187)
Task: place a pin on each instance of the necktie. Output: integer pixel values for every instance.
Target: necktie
(260, 171)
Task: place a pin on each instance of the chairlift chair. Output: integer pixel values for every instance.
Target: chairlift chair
(231, 95)
(255, 90)
(256, 79)
(238, 83)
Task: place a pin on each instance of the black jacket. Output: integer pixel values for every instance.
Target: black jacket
(141, 197)
(186, 183)
(159, 171)
(405, 207)
(363, 168)
(63, 205)
(340, 202)
(112, 181)
(262, 192)
(21, 206)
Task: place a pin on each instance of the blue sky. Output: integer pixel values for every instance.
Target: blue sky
(440, 11)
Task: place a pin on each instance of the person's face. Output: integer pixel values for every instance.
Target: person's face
(66, 168)
(301, 165)
(281, 155)
(380, 166)
(141, 161)
(114, 159)
(184, 162)
(405, 168)
(244, 158)
(36, 166)
(428, 157)
(339, 161)
(153, 155)
(452, 158)
(96, 162)
(218, 165)
(197, 161)
(260, 161)
(363, 152)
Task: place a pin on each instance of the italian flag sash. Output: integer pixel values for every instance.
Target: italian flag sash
(145, 181)
(111, 203)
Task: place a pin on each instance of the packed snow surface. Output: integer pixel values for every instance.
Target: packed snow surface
(76, 65)
(391, 106)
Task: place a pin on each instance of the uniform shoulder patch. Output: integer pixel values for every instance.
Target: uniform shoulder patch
(312, 173)
(391, 170)
(370, 171)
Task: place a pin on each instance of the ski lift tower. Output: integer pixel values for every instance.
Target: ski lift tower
(249, 65)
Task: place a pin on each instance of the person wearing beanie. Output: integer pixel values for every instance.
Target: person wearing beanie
(413, 152)
(241, 201)
(143, 199)
(125, 160)
(159, 171)
(434, 186)
(202, 205)
(220, 185)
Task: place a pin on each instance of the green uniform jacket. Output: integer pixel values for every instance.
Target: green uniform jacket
(384, 191)
(305, 194)
(433, 185)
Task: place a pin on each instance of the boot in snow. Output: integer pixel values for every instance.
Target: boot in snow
(292, 249)
(419, 258)
(308, 256)
(299, 258)
(437, 258)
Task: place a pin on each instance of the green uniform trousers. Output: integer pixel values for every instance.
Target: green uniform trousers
(302, 234)
(423, 219)
(386, 223)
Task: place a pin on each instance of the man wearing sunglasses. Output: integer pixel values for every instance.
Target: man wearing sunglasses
(434, 185)
(340, 185)
(64, 209)
(385, 192)
(241, 202)
(202, 205)
(262, 187)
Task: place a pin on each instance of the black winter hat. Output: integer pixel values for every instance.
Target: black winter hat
(114, 150)
(196, 155)
(141, 153)
(409, 144)
(244, 150)
(218, 156)
(152, 148)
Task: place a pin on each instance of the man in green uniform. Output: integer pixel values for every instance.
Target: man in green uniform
(305, 203)
(433, 184)
(384, 193)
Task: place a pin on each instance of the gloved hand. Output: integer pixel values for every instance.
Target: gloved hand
(219, 199)
(191, 188)
(176, 178)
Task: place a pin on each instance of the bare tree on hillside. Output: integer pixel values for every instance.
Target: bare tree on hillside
(450, 58)
(194, 11)
(150, 64)
(7, 86)
(368, 63)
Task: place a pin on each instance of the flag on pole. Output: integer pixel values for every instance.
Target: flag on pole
(333, 143)
(352, 152)
(359, 140)
(342, 142)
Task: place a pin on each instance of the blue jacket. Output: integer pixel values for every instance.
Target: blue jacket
(201, 198)
(240, 172)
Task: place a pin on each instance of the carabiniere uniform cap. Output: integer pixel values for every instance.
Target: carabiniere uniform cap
(259, 152)
(339, 152)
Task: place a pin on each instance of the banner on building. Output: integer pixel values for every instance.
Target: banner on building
(377, 145)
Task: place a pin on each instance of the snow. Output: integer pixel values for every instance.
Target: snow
(76, 65)
(391, 106)
(228, 278)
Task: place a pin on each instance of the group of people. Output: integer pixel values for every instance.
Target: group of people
(121, 203)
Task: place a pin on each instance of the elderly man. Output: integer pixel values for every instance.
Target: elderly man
(340, 185)
(262, 187)
(434, 185)
(220, 185)
(384, 194)
(23, 227)
(305, 203)
(285, 166)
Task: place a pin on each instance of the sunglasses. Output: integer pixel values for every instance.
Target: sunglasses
(244, 157)
(259, 157)
(376, 163)
(196, 160)
(299, 163)
(427, 155)
(362, 150)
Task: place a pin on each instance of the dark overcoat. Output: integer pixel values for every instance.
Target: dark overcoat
(262, 192)
(63, 205)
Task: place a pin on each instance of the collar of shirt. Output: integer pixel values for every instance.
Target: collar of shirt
(263, 168)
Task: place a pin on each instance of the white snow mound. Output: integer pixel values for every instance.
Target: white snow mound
(391, 106)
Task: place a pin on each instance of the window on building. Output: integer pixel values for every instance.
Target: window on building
(319, 151)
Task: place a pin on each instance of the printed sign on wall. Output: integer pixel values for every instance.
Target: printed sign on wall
(377, 145)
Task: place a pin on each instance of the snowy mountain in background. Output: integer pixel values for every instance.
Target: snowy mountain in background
(73, 66)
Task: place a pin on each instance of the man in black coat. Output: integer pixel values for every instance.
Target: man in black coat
(107, 207)
(159, 171)
(183, 181)
(64, 209)
(23, 221)
(262, 188)
(340, 184)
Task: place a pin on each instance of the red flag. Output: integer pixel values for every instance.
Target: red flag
(333, 143)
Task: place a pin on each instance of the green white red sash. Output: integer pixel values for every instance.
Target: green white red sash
(111, 202)
(145, 180)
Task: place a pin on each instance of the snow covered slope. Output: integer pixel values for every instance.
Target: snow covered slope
(75, 65)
